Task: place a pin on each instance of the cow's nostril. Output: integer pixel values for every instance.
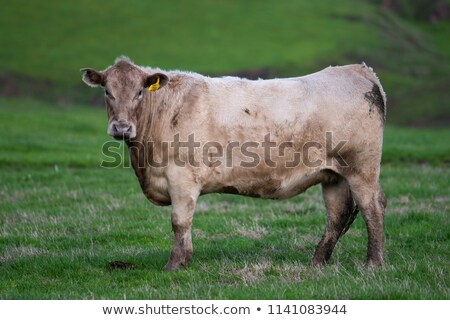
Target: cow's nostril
(115, 128)
(129, 129)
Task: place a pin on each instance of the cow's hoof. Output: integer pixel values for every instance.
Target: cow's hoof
(317, 263)
(372, 264)
(173, 266)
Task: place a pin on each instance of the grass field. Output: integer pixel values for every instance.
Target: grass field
(63, 219)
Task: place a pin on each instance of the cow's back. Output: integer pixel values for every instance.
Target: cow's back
(329, 98)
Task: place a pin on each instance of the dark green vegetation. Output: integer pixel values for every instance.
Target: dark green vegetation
(63, 219)
(52, 40)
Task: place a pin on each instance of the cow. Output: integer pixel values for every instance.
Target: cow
(190, 135)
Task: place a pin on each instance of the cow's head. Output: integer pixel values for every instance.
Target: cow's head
(125, 87)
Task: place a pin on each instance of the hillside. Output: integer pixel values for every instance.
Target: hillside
(44, 44)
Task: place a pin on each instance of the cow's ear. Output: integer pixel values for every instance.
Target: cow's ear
(155, 81)
(93, 78)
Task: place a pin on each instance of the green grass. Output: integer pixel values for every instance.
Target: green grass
(63, 219)
(47, 135)
(201, 35)
(52, 40)
(416, 145)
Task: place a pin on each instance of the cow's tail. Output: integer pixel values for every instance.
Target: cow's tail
(351, 215)
(377, 95)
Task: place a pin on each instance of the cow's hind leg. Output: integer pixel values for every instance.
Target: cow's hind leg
(372, 203)
(341, 212)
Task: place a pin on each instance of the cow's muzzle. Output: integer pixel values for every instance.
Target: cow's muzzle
(122, 130)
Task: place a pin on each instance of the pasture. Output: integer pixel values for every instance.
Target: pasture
(63, 219)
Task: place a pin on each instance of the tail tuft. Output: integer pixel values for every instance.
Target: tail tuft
(351, 218)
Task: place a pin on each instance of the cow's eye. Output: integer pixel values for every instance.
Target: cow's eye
(139, 95)
(109, 95)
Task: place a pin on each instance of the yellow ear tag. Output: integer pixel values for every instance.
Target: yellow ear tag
(154, 86)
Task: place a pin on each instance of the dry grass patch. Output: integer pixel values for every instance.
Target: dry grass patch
(251, 274)
(14, 253)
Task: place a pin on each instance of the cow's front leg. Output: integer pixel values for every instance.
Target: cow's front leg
(183, 206)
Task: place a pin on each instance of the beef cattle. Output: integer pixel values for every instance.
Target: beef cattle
(190, 135)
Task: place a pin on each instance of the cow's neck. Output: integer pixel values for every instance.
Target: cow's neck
(148, 129)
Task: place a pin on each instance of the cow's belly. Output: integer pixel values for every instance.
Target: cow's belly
(266, 185)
